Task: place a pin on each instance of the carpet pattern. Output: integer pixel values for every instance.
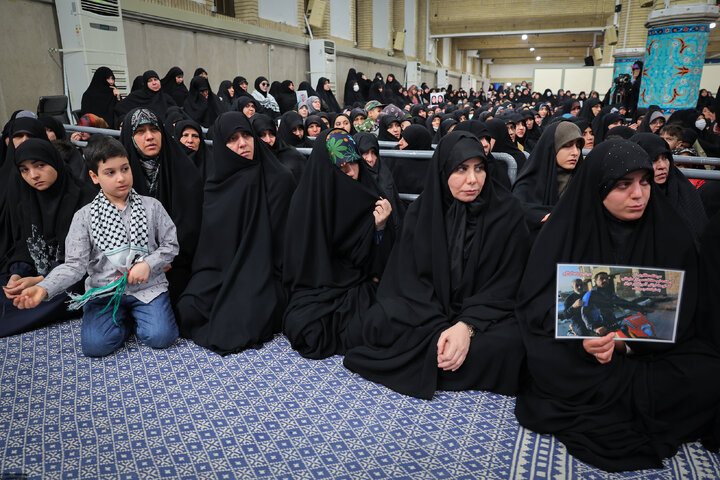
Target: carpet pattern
(187, 413)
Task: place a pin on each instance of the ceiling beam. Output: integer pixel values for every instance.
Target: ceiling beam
(537, 41)
(599, 29)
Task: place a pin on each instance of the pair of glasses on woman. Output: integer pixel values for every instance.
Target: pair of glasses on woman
(264, 84)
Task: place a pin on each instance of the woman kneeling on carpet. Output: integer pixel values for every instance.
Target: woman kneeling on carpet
(445, 313)
(123, 241)
(618, 405)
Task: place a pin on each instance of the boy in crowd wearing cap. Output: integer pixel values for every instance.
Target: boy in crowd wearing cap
(373, 109)
(123, 241)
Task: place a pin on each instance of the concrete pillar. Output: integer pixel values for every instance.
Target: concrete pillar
(675, 54)
(624, 59)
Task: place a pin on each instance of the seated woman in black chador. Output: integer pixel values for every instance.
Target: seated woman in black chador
(336, 248)
(617, 405)
(445, 313)
(234, 299)
(547, 173)
(672, 183)
(41, 214)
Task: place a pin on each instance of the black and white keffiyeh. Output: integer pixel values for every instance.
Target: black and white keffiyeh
(110, 234)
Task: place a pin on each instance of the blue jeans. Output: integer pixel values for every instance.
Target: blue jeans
(154, 323)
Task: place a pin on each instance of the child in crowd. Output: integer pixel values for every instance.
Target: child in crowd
(123, 241)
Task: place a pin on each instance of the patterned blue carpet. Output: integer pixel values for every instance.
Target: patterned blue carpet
(187, 413)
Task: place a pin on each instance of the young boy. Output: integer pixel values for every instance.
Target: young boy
(120, 233)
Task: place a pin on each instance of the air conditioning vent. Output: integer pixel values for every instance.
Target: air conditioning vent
(107, 8)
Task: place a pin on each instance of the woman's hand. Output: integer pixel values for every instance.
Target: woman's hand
(453, 346)
(382, 212)
(602, 348)
(17, 284)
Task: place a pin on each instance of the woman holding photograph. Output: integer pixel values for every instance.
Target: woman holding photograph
(616, 405)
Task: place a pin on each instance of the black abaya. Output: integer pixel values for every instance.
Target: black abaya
(178, 91)
(235, 299)
(635, 410)
(435, 279)
(286, 154)
(331, 256)
(158, 101)
(99, 98)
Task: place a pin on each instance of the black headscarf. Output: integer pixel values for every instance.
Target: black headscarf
(288, 122)
(239, 91)
(384, 121)
(327, 96)
(330, 255)
(224, 93)
(199, 71)
(305, 86)
(499, 168)
(284, 152)
(178, 91)
(503, 142)
(286, 97)
(158, 101)
(375, 93)
(605, 123)
(677, 188)
(99, 98)
(622, 415)
(448, 120)
(456, 261)
(200, 157)
(178, 187)
(382, 176)
(243, 100)
(238, 269)
(537, 183)
(202, 110)
(586, 112)
(42, 218)
(409, 172)
(351, 97)
(621, 131)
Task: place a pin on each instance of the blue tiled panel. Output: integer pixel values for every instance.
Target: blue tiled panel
(674, 59)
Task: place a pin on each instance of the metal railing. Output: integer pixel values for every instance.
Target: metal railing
(427, 154)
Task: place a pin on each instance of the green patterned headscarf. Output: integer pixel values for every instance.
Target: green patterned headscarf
(341, 147)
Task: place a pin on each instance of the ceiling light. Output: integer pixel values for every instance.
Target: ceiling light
(538, 58)
(524, 36)
(713, 25)
(508, 84)
(532, 49)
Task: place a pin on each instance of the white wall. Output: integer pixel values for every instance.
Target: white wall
(340, 19)
(282, 11)
(574, 79)
(381, 24)
(410, 28)
(710, 79)
(525, 71)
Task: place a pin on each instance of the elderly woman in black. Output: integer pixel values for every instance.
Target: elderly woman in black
(618, 405)
(445, 313)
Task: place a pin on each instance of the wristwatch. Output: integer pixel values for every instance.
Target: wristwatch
(472, 330)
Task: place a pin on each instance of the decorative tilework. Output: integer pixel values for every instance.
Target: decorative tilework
(673, 66)
(187, 413)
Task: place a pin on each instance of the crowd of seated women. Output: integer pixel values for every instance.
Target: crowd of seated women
(454, 291)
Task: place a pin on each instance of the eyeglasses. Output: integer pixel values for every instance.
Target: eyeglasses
(264, 84)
